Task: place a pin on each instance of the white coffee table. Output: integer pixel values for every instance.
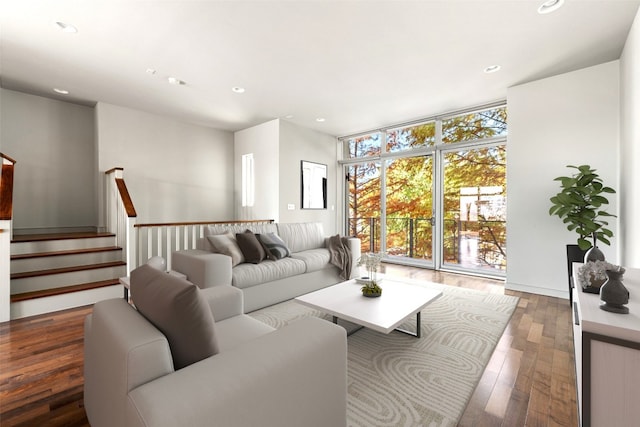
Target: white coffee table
(399, 300)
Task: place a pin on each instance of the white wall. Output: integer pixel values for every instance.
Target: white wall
(630, 149)
(52, 143)
(174, 171)
(574, 119)
(296, 144)
(278, 148)
(263, 141)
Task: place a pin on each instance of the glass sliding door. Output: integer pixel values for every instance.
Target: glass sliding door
(474, 209)
(409, 209)
(364, 209)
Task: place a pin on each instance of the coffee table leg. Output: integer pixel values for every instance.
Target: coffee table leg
(349, 332)
(416, 334)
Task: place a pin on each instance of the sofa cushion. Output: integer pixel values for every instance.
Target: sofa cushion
(226, 244)
(302, 236)
(239, 228)
(247, 275)
(314, 259)
(176, 307)
(275, 245)
(251, 248)
(238, 330)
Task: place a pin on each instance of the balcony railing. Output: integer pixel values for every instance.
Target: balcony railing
(477, 244)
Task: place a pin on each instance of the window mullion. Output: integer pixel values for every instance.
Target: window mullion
(383, 194)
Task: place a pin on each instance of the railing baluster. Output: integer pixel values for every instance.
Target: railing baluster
(185, 236)
(159, 243)
(411, 240)
(149, 243)
(168, 242)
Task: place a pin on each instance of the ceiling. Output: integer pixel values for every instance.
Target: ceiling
(360, 65)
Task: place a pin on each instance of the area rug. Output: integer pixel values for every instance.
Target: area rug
(398, 380)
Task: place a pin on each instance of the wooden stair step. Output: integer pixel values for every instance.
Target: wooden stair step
(52, 271)
(58, 236)
(63, 290)
(66, 252)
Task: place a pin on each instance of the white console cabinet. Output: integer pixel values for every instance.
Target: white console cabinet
(607, 355)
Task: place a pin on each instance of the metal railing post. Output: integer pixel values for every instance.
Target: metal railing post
(411, 239)
(372, 227)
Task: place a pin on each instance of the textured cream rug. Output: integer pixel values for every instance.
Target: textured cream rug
(398, 380)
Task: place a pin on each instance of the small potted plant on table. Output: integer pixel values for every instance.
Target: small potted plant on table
(371, 261)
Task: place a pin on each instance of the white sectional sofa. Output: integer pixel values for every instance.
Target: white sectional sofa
(257, 376)
(308, 267)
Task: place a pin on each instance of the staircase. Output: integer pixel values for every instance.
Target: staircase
(51, 272)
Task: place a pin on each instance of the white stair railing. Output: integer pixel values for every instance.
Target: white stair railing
(6, 229)
(165, 238)
(121, 216)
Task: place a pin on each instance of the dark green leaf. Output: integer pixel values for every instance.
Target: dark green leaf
(584, 244)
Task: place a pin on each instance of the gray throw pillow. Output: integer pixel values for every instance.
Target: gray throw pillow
(251, 248)
(226, 244)
(177, 308)
(268, 254)
(276, 246)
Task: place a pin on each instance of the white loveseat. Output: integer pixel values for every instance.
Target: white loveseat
(290, 377)
(307, 269)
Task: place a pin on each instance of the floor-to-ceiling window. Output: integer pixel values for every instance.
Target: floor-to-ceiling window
(432, 193)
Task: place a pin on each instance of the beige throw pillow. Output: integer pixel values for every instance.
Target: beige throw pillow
(226, 244)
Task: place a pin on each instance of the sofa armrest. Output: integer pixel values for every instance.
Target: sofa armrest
(295, 376)
(122, 351)
(225, 301)
(204, 269)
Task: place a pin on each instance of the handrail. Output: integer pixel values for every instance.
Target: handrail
(4, 156)
(162, 239)
(406, 234)
(6, 231)
(238, 221)
(6, 187)
(113, 170)
(126, 198)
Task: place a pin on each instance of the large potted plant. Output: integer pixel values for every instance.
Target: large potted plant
(581, 205)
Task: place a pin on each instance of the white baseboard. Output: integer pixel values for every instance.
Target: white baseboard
(537, 290)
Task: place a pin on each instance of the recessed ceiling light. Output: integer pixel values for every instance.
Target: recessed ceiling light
(151, 71)
(237, 89)
(175, 81)
(289, 116)
(61, 91)
(320, 119)
(492, 69)
(67, 28)
(550, 6)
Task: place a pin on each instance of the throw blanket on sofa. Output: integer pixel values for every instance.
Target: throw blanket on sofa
(340, 255)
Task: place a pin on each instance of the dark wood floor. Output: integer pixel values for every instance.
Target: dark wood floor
(529, 381)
